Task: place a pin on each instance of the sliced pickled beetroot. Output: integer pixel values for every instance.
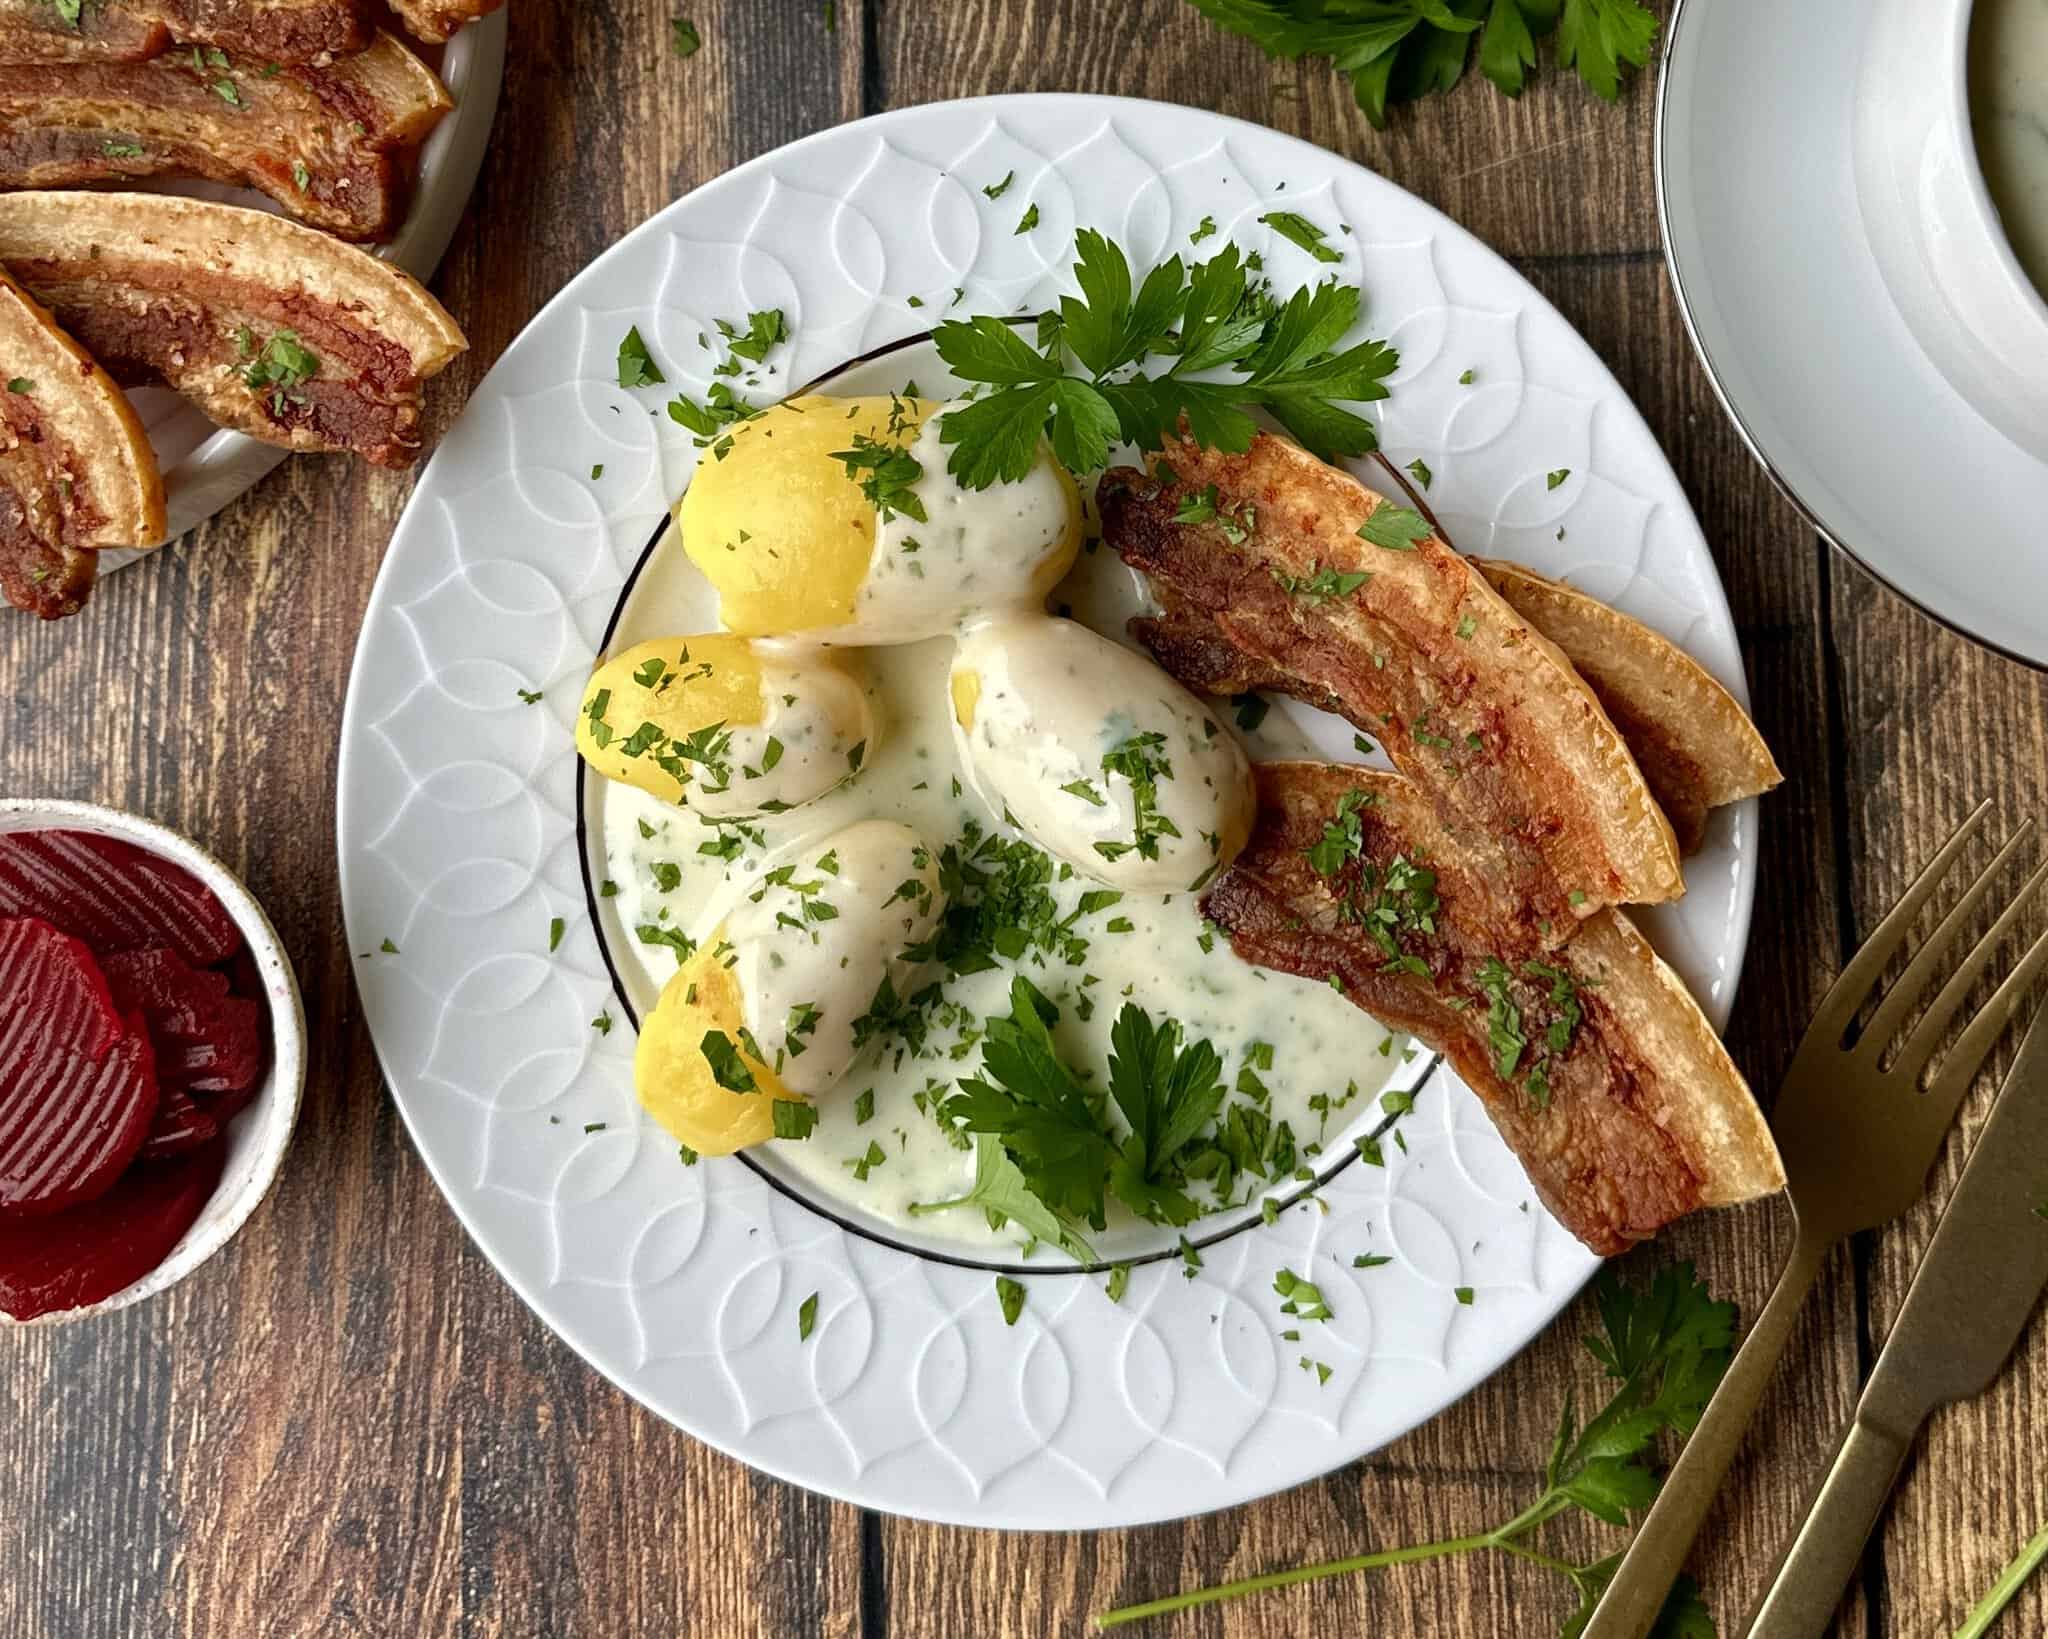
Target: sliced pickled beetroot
(82, 1257)
(77, 1081)
(180, 1126)
(113, 895)
(208, 1040)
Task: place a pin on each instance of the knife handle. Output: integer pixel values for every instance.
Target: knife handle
(1800, 1600)
(1636, 1596)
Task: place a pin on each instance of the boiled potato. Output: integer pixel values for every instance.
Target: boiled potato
(1098, 756)
(708, 1107)
(777, 525)
(731, 731)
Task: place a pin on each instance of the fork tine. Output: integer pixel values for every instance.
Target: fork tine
(1960, 1068)
(1860, 977)
(1913, 983)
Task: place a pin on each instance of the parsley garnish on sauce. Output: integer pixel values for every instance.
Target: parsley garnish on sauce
(1198, 320)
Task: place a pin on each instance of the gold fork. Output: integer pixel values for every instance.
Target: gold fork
(1858, 1136)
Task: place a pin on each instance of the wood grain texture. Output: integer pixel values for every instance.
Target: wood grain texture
(348, 1424)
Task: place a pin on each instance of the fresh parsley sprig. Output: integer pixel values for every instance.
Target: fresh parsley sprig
(1665, 1347)
(1398, 50)
(1197, 321)
(1055, 1132)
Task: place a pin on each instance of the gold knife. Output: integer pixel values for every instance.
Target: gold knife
(1971, 1296)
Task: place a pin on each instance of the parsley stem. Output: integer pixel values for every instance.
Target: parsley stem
(2010, 1581)
(1288, 1578)
(1501, 1536)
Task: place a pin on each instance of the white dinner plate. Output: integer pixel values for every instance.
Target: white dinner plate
(460, 844)
(207, 467)
(1756, 190)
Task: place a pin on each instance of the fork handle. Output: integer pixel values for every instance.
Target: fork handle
(1800, 1600)
(1636, 1595)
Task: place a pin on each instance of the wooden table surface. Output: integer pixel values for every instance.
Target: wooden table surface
(348, 1424)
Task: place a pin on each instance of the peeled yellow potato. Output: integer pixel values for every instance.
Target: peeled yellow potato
(777, 526)
(680, 685)
(676, 1080)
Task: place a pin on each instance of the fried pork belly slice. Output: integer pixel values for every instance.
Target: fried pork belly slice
(76, 469)
(269, 327)
(323, 142)
(437, 20)
(1474, 704)
(1696, 746)
(272, 31)
(1594, 1062)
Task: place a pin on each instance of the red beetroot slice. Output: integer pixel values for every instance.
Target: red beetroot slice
(180, 1126)
(84, 1256)
(77, 1082)
(207, 1039)
(113, 895)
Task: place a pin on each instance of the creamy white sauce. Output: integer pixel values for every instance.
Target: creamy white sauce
(805, 977)
(2009, 113)
(812, 718)
(973, 551)
(1069, 732)
(1146, 948)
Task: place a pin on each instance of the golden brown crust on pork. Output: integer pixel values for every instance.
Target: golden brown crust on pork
(1471, 701)
(1696, 745)
(324, 143)
(1627, 1115)
(76, 469)
(269, 327)
(437, 20)
(271, 31)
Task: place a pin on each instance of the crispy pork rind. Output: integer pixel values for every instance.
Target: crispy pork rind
(269, 31)
(327, 144)
(1413, 645)
(1627, 1116)
(437, 20)
(1695, 744)
(76, 471)
(268, 327)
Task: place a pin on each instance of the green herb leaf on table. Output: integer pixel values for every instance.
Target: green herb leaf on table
(1396, 51)
(1664, 1347)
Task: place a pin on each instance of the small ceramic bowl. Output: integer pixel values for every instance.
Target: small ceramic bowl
(1941, 250)
(257, 1137)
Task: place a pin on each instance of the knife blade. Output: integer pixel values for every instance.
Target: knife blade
(1981, 1277)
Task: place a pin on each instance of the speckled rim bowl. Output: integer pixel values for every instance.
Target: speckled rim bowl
(258, 1137)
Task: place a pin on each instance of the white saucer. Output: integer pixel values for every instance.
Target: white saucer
(1781, 292)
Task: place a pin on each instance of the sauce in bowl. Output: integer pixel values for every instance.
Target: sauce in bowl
(2009, 110)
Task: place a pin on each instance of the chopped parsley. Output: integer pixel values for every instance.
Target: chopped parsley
(636, 366)
(1397, 528)
(1299, 230)
(728, 1069)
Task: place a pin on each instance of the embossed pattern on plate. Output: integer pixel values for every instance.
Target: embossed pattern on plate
(458, 844)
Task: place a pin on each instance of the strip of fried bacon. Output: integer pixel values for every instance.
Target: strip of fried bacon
(269, 327)
(1595, 1064)
(1696, 746)
(287, 32)
(76, 469)
(437, 20)
(325, 143)
(1410, 642)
